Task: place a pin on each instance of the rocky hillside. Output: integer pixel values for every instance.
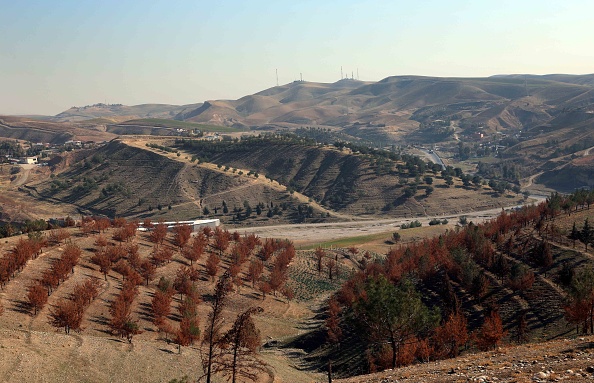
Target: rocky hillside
(567, 360)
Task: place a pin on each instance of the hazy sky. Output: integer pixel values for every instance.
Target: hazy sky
(57, 54)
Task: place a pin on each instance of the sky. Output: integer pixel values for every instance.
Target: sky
(61, 53)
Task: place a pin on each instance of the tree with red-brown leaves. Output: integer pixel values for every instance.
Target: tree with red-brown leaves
(123, 267)
(580, 306)
(251, 241)
(133, 255)
(234, 271)
(221, 240)
(119, 222)
(277, 279)
(577, 312)
(161, 306)
(21, 253)
(147, 223)
(58, 235)
(491, 333)
(207, 231)
(264, 288)
(193, 252)
(71, 255)
(87, 226)
(158, 234)
(66, 314)
(5, 271)
(451, 336)
(50, 280)
(331, 266)
(354, 251)
(333, 330)
(101, 241)
(102, 224)
(134, 277)
(126, 232)
(161, 255)
(37, 241)
(187, 334)
(84, 293)
(212, 265)
(424, 350)
(121, 308)
(268, 249)
(319, 254)
(147, 270)
(37, 296)
(239, 346)
(115, 253)
(240, 253)
(101, 259)
(255, 271)
(61, 269)
(184, 278)
(181, 235)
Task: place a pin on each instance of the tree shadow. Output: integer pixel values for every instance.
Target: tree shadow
(22, 307)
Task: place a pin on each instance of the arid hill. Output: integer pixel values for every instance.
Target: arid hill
(119, 111)
(34, 130)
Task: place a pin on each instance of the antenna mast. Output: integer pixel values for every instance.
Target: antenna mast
(357, 73)
(301, 75)
(277, 77)
(341, 72)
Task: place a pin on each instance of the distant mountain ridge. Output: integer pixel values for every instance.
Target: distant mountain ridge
(100, 110)
(500, 102)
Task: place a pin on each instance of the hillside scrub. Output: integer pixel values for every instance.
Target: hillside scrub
(457, 272)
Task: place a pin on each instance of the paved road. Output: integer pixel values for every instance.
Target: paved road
(321, 232)
(433, 157)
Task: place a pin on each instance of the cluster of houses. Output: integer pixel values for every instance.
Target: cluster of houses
(46, 150)
(22, 160)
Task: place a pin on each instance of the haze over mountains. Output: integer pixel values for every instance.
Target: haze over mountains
(497, 102)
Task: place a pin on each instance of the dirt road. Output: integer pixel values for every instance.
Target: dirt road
(23, 176)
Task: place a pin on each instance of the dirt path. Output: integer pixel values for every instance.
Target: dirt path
(24, 175)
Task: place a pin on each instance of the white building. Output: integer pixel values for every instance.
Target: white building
(29, 160)
(196, 225)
